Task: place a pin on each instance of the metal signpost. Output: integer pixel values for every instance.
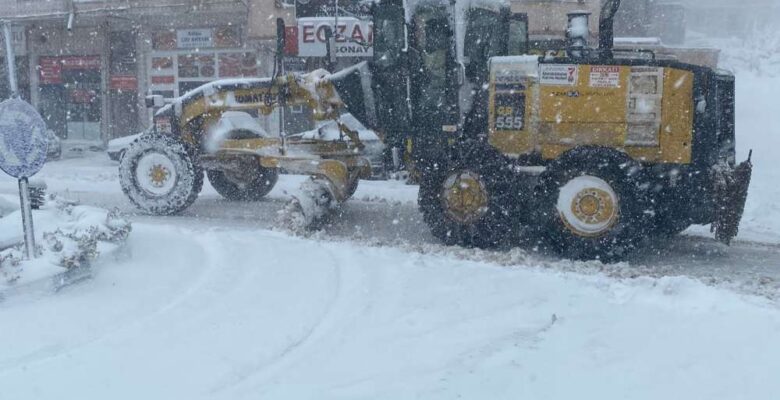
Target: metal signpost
(23, 143)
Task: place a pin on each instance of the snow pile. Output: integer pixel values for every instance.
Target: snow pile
(308, 208)
(68, 236)
(757, 53)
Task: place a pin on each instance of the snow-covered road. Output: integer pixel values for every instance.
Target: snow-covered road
(245, 313)
(212, 304)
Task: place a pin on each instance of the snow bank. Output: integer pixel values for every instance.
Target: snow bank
(67, 236)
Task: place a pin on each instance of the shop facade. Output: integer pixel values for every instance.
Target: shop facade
(88, 73)
(183, 59)
(90, 87)
(89, 77)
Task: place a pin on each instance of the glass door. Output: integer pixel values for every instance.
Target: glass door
(83, 109)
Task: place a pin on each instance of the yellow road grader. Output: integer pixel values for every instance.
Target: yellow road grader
(591, 151)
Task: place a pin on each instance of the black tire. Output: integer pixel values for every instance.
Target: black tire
(177, 179)
(622, 225)
(670, 228)
(495, 222)
(352, 188)
(251, 187)
(672, 213)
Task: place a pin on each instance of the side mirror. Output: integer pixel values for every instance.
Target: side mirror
(155, 101)
(518, 35)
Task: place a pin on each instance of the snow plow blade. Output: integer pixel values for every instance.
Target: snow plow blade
(327, 188)
(730, 201)
(307, 209)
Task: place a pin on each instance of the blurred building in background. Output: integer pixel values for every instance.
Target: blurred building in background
(87, 65)
(664, 20)
(731, 18)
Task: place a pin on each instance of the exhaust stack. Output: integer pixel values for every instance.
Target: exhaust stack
(577, 32)
(607, 27)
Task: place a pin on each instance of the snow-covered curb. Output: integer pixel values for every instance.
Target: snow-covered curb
(68, 237)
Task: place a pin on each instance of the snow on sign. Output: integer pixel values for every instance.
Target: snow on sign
(23, 141)
(605, 76)
(558, 74)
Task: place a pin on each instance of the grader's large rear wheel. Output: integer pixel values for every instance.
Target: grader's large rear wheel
(250, 184)
(591, 203)
(469, 200)
(159, 175)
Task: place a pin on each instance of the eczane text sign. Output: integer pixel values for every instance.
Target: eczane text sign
(355, 37)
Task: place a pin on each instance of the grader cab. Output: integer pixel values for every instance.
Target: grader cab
(590, 152)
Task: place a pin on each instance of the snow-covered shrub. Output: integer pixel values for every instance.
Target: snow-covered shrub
(10, 265)
(70, 236)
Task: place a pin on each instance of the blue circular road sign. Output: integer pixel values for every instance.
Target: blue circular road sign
(23, 140)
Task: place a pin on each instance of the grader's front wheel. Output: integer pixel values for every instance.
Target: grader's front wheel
(469, 200)
(159, 175)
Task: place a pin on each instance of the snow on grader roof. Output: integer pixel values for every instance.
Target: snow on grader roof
(213, 87)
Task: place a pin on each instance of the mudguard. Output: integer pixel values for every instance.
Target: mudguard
(730, 197)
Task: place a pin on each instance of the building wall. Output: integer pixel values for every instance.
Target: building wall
(261, 24)
(734, 19)
(46, 38)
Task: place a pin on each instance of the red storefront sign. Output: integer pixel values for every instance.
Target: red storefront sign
(80, 62)
(123, 82)
(51, 67)
(291, 40)
(163, 80)
(50, 70)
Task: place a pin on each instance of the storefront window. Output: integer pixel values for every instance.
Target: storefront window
(162, 64)
(181, 71)
(70, 96)
(184, 59)
(237, 65)
(196, 66)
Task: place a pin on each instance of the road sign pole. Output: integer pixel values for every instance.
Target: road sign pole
(24, 187)
(10, 59)
(27, 222)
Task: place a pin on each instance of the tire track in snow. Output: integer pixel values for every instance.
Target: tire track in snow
(747, 266)
(341, 306)
(126, 323)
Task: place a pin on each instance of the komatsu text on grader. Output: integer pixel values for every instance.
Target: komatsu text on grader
(592, 151)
